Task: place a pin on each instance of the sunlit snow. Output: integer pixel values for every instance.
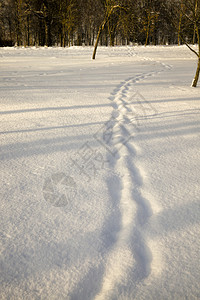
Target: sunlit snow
(100, 174)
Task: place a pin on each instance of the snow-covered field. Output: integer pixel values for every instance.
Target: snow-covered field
(100, 168)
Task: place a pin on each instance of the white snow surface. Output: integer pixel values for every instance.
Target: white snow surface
(100, 166)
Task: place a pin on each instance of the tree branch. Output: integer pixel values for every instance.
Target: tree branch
(184, 41)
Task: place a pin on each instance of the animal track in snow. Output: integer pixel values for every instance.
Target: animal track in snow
(129, 257)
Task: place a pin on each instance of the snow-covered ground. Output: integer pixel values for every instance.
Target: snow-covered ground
(100, 168)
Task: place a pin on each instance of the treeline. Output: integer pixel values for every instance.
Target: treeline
(76, 22)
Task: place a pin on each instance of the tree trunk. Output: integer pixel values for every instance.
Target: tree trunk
(194, 35)
(195, 25)
(148, 30)
(106, 19)
(28, 30)
(48, 39)
(97, 41)
(179, 28)
(196, 78)
(18, 23)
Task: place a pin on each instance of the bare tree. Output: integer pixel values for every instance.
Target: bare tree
(190, 10)
(110, 7)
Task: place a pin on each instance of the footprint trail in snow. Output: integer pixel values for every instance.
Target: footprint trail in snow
(129, 258)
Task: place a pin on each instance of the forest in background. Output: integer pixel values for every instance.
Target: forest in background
(77, 22)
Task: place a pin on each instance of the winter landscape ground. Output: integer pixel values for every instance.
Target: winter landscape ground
(100, 167)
